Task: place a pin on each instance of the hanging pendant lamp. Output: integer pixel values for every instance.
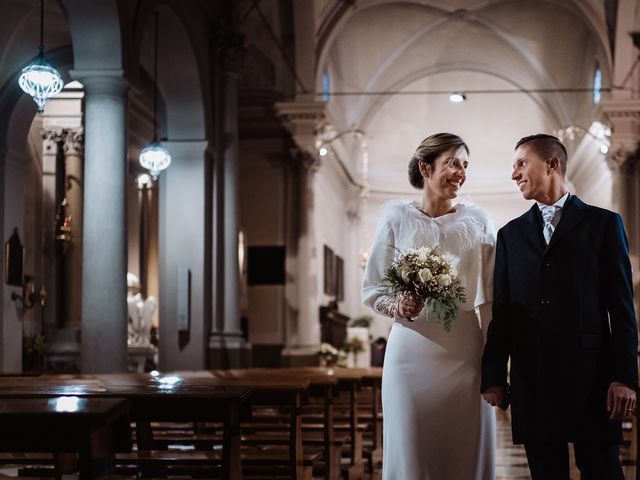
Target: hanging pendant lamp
(40, 79)
(154, 157)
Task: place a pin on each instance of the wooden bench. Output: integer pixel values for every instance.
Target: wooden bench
(93, 428)
(162, 462)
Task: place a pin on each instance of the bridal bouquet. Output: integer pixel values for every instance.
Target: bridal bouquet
(431, 276)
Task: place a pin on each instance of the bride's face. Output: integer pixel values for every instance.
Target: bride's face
(447, 173)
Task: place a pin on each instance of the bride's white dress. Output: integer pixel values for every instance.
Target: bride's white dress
(436, 425)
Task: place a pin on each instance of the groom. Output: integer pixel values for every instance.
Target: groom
(563, 314)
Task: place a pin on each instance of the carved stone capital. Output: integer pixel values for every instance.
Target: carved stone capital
(303, 120)
(51, 139)
(73, 141)
(623, 115)
(622, 160)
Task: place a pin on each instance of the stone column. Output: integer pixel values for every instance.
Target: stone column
(51, 145)
(227, 346)
(104, 290)
(624, 118)
(62, 268)
(73, 148)
(302, 120)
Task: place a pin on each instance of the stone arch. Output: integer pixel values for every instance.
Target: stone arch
(96, 34)
(338, 17)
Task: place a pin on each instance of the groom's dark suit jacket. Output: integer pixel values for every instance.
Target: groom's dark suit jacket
(563, 314)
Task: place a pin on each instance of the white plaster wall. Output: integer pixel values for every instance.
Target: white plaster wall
(336, 216)
(15, 176)
(263, 218)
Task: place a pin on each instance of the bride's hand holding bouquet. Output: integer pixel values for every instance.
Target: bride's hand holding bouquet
(422, 276)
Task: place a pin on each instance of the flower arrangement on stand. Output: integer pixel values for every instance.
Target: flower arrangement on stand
(431, 276)
(327, 354)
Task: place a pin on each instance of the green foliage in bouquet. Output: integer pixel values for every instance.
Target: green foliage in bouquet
(431, 276)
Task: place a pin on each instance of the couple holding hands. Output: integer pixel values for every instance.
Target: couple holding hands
(547, 325)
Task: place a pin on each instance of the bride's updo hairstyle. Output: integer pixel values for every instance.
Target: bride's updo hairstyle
(430, 149)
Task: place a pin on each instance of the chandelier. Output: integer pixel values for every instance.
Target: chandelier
(154, 157)
(40, 79)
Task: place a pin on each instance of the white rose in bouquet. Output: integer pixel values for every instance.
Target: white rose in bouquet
(428, 274)
(425, 275)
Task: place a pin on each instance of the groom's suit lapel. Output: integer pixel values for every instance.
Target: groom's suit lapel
(574, 212)
(531, 226)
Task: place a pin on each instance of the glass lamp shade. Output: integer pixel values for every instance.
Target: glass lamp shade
(40, 80)
(155, 158)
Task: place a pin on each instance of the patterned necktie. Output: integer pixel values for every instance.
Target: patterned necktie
(548, 215)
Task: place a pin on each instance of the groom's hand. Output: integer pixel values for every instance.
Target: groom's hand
(496, 397)
(621, 401)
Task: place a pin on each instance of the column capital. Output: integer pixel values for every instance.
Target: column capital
(73, 141)
(624, 118)
(101, 81)
(303, 120)
(51, 139)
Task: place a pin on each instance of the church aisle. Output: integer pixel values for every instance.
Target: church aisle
(511, 461)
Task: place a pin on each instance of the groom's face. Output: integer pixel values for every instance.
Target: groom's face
(531, 173)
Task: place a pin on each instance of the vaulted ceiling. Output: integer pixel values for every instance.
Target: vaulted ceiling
(387, 60)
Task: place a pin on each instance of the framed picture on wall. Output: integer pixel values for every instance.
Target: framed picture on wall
(339, 279)
(266, 265)
(329, 271)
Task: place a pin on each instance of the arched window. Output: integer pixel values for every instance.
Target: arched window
(326, 84)
(597, 85)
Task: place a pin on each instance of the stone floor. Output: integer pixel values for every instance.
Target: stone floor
(511, 461)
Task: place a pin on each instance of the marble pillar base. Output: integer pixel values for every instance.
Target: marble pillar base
(300, 356)
(228, 350)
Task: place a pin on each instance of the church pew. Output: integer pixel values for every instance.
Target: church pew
(348, 382)
(321, 386)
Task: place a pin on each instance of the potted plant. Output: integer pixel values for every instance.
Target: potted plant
(32, 352)
(354, 346)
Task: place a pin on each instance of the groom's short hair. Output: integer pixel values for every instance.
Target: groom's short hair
(546, 146)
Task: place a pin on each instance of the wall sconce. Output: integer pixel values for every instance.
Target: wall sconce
(29, 299)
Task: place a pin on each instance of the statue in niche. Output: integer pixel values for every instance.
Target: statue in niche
(140, 314)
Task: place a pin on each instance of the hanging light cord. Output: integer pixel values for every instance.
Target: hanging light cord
(155, 78)
(41, 26)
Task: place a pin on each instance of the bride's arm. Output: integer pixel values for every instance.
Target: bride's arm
(485, 318)
(375, 294)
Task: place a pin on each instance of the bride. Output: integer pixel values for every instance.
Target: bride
(436, 425)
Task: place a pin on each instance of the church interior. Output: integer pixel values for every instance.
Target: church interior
(193, 186)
